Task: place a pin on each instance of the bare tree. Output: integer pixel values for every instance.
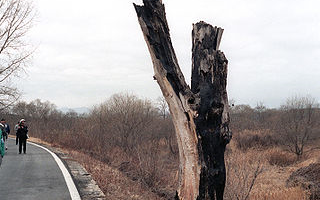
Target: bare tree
(163, 107)
(36, 109)
(242, 117)
(298, 122)
(8, 96)
(200, 113)
(127, 116)
(16, 17)
(260, 109)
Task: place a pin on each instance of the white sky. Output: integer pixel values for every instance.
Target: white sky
(89, 50)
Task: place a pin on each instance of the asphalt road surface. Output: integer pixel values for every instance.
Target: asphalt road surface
(31, 176)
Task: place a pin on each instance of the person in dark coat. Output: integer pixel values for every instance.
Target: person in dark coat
(6, 132)
(22, 136)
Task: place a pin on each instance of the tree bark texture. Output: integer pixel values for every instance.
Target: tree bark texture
(200, 113)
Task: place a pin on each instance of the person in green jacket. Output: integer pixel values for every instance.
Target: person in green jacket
(2, 150)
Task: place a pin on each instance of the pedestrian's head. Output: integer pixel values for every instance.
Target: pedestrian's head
(3, 121)
(22, 121)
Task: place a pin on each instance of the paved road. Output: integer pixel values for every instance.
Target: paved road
(31, 176)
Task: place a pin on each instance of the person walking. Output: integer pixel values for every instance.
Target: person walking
(7, 130)
(2, 151)
(22, 136)
(16, 130)
(3, 130)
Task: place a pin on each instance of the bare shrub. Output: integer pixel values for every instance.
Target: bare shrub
(248, 139)
(309, 178)
(142, 135)
(280, 158)
(124, 119)
(242, 117)
(114, 183)
(299, 119)
(243, 170)
(163, 107)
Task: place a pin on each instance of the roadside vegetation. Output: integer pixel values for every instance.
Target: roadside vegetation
(128, 145)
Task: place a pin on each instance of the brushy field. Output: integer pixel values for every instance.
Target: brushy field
(262, 171)
(129, 146)
(256, 173)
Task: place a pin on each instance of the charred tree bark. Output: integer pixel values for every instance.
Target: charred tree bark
(200, 113)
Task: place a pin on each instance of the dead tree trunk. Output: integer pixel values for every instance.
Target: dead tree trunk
(200, 113)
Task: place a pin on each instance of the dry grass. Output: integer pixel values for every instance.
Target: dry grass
(253, 139)
(270, 184)
(294, 193)
(38, 141)
(276, 156)
(307, 178)
(113, 183)
(243, 169)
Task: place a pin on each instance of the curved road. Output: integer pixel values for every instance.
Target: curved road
(31, 176)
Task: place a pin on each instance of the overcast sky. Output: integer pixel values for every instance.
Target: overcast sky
(89, 50)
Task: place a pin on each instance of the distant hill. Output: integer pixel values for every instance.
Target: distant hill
(79, 110)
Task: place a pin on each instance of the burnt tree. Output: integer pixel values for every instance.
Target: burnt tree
(200, 113)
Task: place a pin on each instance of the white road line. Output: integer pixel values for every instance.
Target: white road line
(67, 177)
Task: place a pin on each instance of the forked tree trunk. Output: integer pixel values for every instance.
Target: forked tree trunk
(200, 113)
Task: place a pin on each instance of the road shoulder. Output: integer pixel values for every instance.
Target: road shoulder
(87, 187)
